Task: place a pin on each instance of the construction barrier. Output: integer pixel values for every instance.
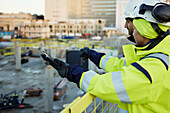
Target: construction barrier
(62, 44)
(8, 51)
(84, 104)
(55, 43)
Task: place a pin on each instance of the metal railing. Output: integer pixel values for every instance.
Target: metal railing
(90, 104)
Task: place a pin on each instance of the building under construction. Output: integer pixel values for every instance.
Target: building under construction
(30, 85)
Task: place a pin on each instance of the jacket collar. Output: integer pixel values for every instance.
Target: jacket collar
(133, 53)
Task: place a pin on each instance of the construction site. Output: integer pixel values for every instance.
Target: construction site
(30, 85)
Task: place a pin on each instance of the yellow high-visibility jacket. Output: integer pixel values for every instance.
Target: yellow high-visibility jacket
(140, 81)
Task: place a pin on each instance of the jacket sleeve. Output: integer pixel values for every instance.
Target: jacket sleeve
(139, 83)
(111, 64)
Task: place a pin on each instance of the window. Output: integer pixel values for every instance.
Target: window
(50, 26)
(99, 21)
(103, 6)
(103, 2)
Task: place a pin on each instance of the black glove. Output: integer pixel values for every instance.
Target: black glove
(62, 67)
(59, 65)
(94, 56)
(85, 53)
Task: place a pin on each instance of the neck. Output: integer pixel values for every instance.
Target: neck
(144, 42)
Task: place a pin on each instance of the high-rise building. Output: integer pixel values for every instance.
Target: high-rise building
(99, 9)
(120, 21)
(55, 9)
(81, 9)
(110, 10)
(61, 9)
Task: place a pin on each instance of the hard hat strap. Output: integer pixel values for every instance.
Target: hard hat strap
(157, 40)
(157, 28)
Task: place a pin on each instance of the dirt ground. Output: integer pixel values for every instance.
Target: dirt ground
(31, 76)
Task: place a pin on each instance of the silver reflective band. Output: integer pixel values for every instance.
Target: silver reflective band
(162, 56)
(120, 88)
(104, 61)
(124, 61)
(86, 80)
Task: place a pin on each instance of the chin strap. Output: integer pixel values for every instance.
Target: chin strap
(157, 29)
(131, 38)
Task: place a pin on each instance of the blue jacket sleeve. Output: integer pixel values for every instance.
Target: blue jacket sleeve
(74, 73)
(95, 57)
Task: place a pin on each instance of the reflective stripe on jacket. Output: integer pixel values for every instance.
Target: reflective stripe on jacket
(140, 82)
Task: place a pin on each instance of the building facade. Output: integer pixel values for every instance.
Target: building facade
(72, 27)
(61, 9)
(99, 9)
(77, 27)
(120, 21)
(18, 25)
(34, 29)
(8, 22)
(27, 26)
(81, 9)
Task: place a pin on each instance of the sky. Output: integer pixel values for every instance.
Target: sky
(26, 6)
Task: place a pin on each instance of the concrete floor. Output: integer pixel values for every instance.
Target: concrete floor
(31, 76)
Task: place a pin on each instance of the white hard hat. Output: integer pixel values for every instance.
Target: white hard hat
(131, 5)
(148, 13)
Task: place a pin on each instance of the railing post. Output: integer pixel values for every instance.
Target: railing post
(108, 108)
(95, 105)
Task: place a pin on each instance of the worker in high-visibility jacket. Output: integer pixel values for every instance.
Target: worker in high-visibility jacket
(139, 82)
